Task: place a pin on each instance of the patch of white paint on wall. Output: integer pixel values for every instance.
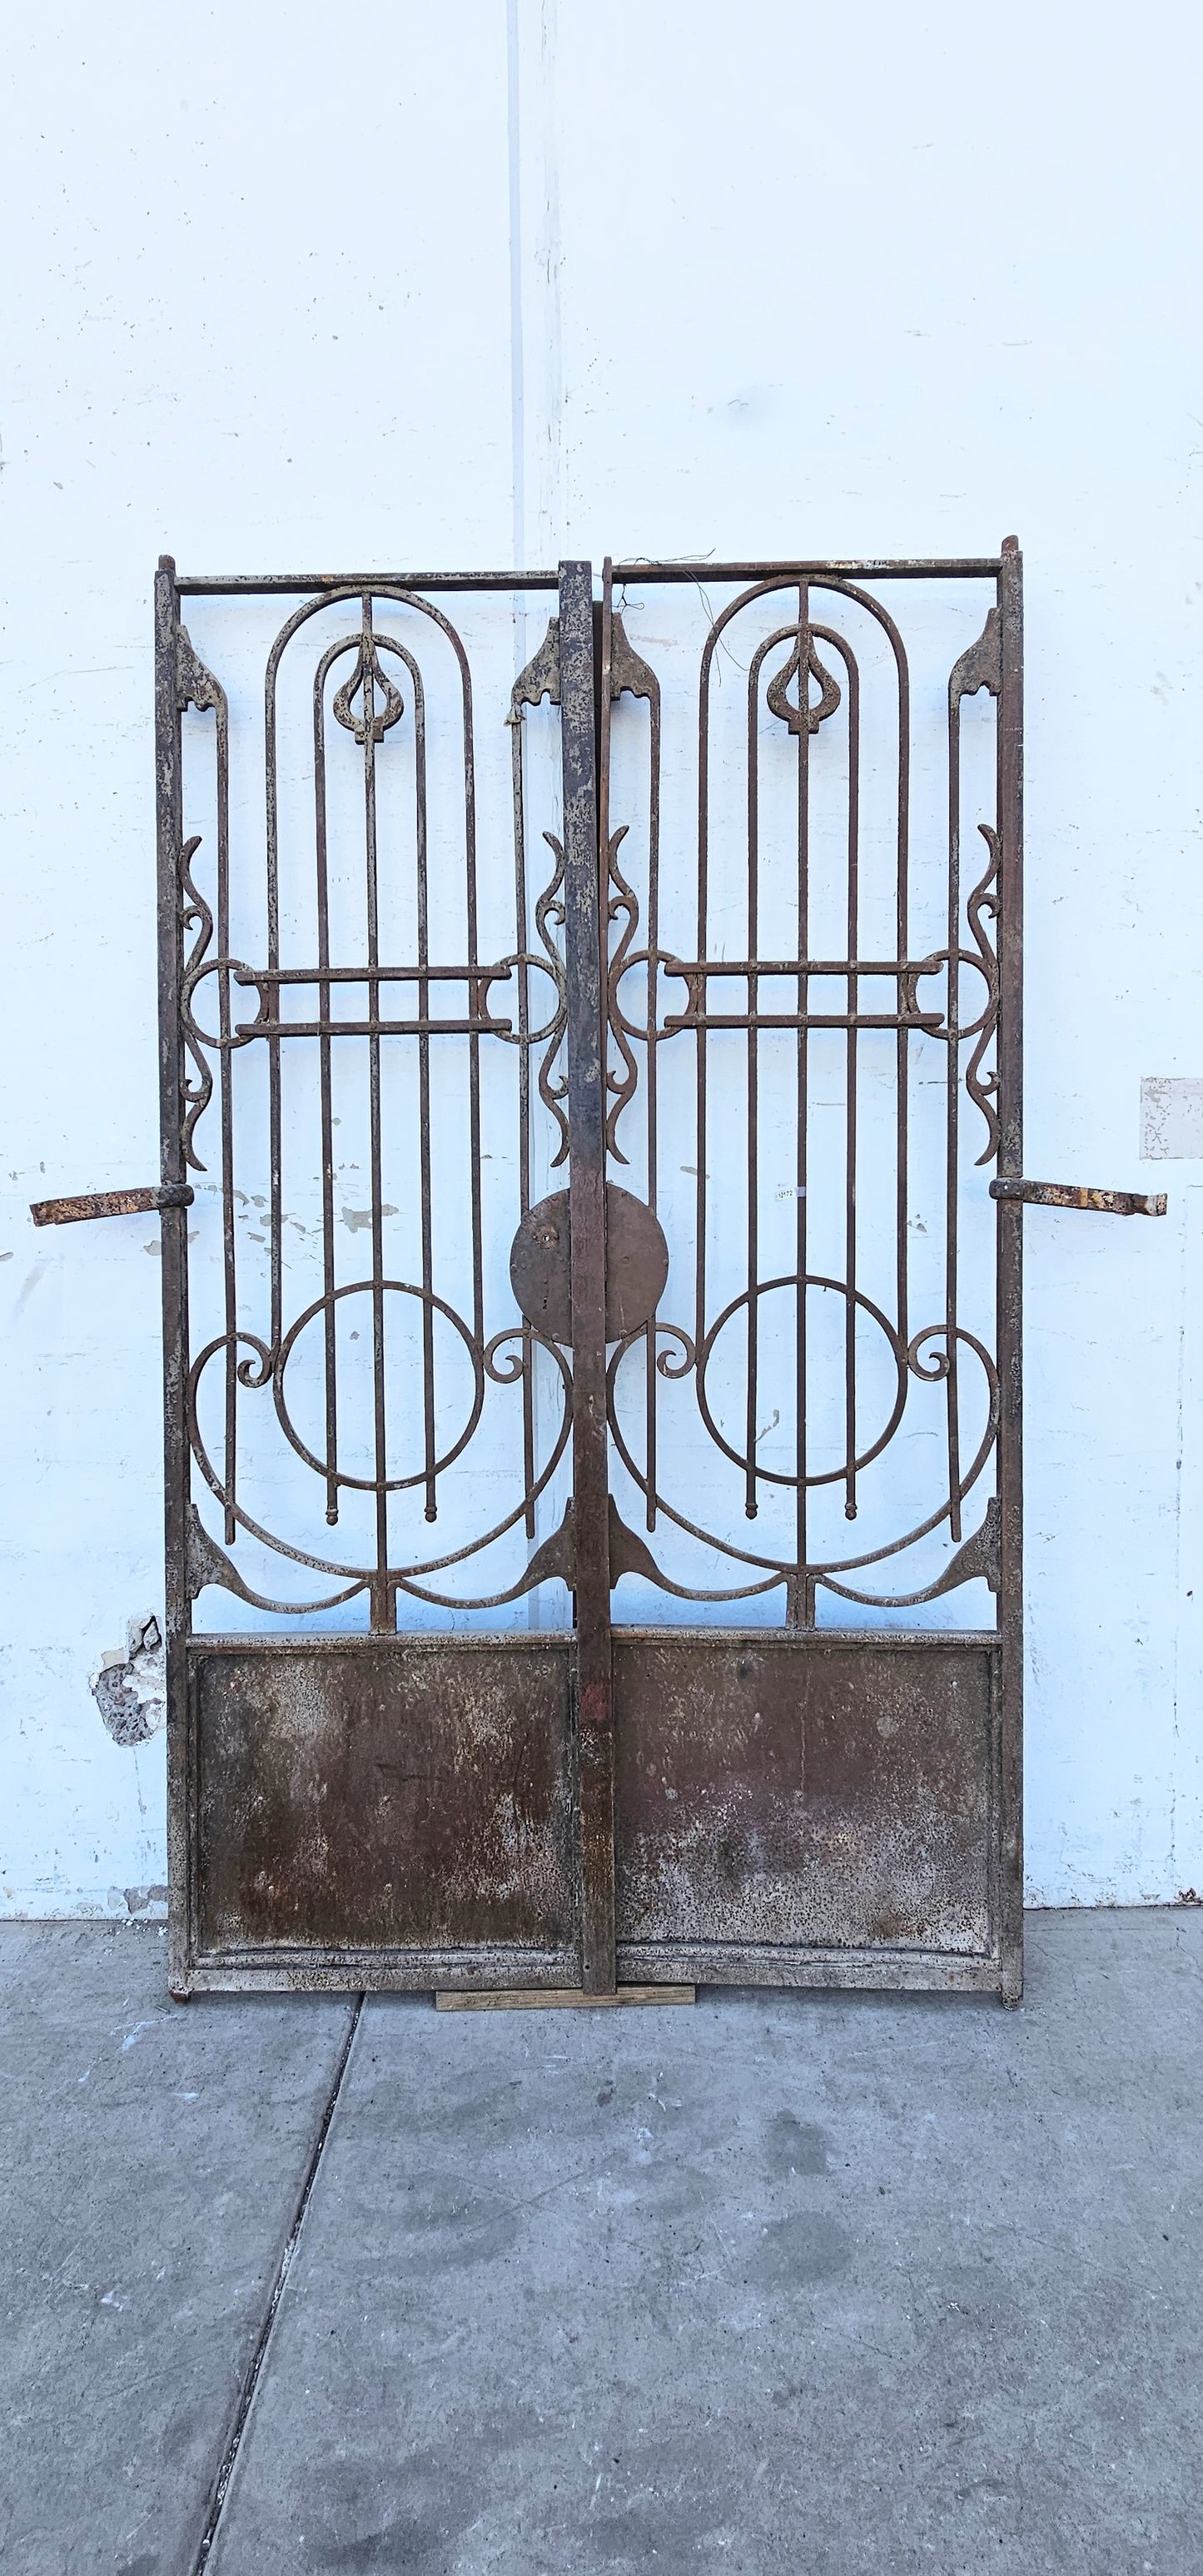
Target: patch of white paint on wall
(1171, 1119)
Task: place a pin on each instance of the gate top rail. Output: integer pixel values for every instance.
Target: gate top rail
(895, 568)
(908, 568)
(262, 585)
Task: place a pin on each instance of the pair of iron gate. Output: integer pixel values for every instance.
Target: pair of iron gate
(651, 1007)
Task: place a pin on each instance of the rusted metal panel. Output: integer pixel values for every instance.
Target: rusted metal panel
(829, 1793)
(636, 1265)
(357, 1794)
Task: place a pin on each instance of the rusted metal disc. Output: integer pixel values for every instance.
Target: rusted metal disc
(636, 1265)
(541, 1267)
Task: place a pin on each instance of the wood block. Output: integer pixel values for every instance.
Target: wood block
(546, 1998)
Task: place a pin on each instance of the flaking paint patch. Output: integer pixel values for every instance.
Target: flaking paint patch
(357, 1220)
(131, 1694)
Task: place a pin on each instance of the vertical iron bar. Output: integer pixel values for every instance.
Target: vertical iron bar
(851, 1105)
(475, 1165)
(586, 1109)
(1009, 1239)
(952, 1111)
(699, 1255)
(524, 1137)
(229, 1254)
(381, 1612)
(174, 1222)
(275, 1181)
(423, 896)
(902, 1061)
(603, 680)
(753, 1139)
(803, 1078)
(653, 1106)
(603, 710)
(326, 1091)
(478, 1266)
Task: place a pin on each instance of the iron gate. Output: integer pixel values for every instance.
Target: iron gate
(487, 954)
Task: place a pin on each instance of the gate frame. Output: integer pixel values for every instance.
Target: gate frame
(584, 690)
(585, 634)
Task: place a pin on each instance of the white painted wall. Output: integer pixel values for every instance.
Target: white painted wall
(484, 285)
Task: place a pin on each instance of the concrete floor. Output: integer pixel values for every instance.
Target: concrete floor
(783, 2283)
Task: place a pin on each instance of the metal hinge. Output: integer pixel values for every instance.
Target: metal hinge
(1069, 1194)
(171, 1194)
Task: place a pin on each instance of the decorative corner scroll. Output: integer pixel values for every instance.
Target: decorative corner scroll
(195, 686)
(623, 905)
(556, 1557)
(629, 1554)
(196, 916)
(982, 1086)
(980, 665)
(980, 1559)
(549, 915)
(630, 675)
(208, 1563)
(540, 679)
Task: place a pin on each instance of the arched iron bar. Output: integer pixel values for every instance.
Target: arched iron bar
(782, 1565)
(368, 1575)
(291, 627)
(334, 654)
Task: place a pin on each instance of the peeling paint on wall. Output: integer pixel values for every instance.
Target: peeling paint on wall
(130, 1691)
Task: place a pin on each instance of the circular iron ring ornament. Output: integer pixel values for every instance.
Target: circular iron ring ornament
(636, 1265)
(325, 1466)
(827, 1475)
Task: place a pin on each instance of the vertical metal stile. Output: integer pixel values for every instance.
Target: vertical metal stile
(174, 1221)
(1010, 1266)
(586, 1095)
